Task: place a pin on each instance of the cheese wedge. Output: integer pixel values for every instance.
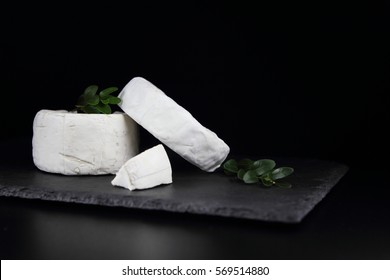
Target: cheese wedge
(172, 124)
(83, 144)
(146, 170)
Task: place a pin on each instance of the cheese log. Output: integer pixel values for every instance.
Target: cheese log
(83, 144)
(146, 170)
(172, 124)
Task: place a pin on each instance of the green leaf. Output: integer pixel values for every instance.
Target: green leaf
(114, 100)
(240, 174)
(90, 91)
(105, 93)
(284, 185)
(103, 108)
(245, 163)
(231, 165)
(281, 172)
(263, 166)
(250, 177)
(105, 101)
(94, 100)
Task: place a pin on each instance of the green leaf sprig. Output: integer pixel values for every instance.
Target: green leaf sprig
(91, 102)
(262, 170)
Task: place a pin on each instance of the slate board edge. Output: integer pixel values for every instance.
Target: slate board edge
(332, 182)
(158, 204)
(134, 203)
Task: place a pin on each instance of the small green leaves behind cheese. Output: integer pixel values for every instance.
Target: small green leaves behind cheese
(104, 108)
(90, 91)
(105, 93)
(112, 100)
(91, 102)
(262, 170)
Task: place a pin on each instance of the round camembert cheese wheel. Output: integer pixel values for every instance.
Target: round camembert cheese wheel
(83, 144)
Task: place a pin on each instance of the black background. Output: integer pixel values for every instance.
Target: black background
(297, 80)
(271, 80)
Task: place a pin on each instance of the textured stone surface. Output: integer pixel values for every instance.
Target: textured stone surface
(192, 191)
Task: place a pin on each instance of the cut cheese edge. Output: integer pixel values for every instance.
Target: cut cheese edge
(172, 124)
(149, 169)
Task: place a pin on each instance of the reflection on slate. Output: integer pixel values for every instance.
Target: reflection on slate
(192, 191)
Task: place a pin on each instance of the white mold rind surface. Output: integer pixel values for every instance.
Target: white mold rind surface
(172, 124)
(83, 144)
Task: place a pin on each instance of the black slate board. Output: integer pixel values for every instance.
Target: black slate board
(192, 191)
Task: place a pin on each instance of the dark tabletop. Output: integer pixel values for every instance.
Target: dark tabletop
(352, 222)
(296, 81)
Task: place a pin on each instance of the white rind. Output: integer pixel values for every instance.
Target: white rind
(172, 124)
(146, 170)
(83, 144)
